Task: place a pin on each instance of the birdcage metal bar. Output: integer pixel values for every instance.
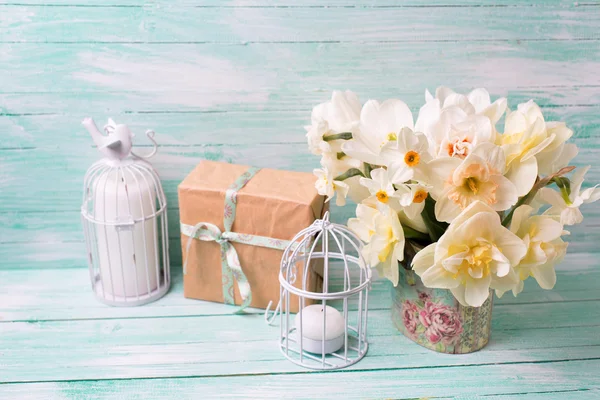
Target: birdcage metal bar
(324, 241)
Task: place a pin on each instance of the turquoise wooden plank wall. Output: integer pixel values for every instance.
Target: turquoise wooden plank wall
(235, 81)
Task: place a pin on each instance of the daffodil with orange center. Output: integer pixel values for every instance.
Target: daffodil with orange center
(412, 199)
(410, 158)
(380, 187)
(479, 177)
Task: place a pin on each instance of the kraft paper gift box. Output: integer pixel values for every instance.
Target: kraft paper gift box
(271, 204)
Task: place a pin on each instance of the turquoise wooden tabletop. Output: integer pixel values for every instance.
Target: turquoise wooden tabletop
(235, 81)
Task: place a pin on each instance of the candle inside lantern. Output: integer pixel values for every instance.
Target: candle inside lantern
(128, 255)
(312, 320)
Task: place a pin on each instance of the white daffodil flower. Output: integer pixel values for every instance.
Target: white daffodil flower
(380, 186)
(364, 223)
(545, 248)
(327, 186)
(527, 140)
(454, 123)
(566, 205)
(380, 125)
(463, 136)
(474, 255)
(340, 114)
(413, 198)
(409, 157)
(479, 177)
(386, 245)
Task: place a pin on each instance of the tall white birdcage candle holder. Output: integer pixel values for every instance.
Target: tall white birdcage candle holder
(124, 214)
(331, 333)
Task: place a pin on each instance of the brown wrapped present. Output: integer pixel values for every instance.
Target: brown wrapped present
(240, 219)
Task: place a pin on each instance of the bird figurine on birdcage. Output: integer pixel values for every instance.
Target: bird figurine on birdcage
(331, 331)
(124, 215)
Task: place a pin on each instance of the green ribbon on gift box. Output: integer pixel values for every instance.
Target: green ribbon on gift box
(230, 262)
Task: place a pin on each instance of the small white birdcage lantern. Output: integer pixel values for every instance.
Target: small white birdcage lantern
(331, 333)
(124, 215)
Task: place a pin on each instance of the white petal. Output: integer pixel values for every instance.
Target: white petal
(459, 100)
(440, 170)
(480, 99)
(547, 228)
(477, 291)
(577, 180)
(523, 174)
(360, 229)
(502, 264)
(510, 244)
(492, 154)
(519, 217)
(571, 216)
(428, 96)
(518, 288)
(515, 123)
(357, 192)
(446, 209)
(551, 197)
(539, 147)
(357, 149)
(459, 294)
(424, 259)
(505, 283)
(437, 277)
(561, 133)
(452, 263)
(341, 191)
(370, 184)
(495, 111)
(400, 173)
(379, 175)
(473, 209)
(550, 162)
(442, 92)
(545, 275)
(506, 193)
(590, 195)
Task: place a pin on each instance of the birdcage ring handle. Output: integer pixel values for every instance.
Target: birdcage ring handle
(150, 134)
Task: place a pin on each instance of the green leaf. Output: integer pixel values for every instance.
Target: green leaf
(368, 169)
(349, 174)
(435, 228)
(338, 136)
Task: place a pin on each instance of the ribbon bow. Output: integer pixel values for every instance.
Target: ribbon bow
(230, 262)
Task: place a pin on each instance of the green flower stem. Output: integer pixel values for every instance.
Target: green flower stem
(523, 200)
(410, 233)
(349, 174)
(338, 136)
(540, 183)
(435, 228)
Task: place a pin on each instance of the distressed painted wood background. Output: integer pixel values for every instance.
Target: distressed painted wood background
(235, 81)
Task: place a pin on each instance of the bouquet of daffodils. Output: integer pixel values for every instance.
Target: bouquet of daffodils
(475, 209)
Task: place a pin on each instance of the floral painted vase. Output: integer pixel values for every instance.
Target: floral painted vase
(434, 319)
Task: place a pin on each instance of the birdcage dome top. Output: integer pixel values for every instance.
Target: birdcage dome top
(340, 251)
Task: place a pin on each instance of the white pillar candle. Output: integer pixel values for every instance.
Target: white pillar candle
(127, 256)
(312, 320)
